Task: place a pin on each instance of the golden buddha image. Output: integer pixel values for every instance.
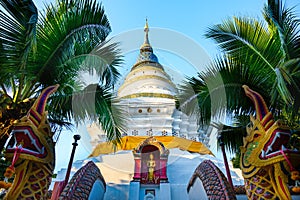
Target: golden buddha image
(151, 167)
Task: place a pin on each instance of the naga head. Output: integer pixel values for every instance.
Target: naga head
(31, 135)
(266, 140)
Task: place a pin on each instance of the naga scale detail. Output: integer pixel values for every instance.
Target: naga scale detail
(265, 161)
(31, 149)
(214, 182)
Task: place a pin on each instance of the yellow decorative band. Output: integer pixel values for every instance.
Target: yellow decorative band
(143, 77)
(145, 94)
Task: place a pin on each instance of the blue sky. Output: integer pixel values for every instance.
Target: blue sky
(192, 18)
(187, 18)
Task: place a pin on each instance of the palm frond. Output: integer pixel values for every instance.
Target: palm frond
(230, 136)
(113, 58)
(72, 29)
(104, 60)
(287, 24)
(240, 37)
(18, 41)
(18, 29)
(292, 76)
(68, 38)
(57, 127)
(218, 90)
(264, 56)
(94, 103)
(248, 41)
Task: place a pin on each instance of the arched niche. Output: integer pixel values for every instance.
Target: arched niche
(151, 158)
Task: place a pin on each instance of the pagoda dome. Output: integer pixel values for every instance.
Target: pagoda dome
(147, 77)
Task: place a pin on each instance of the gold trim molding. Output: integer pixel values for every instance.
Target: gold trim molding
(146, 94)
(126, 83)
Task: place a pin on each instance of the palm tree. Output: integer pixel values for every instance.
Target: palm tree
(265, 55)
(54, 47)
(216, 93)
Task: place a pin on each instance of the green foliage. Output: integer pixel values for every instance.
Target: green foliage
(55, 47)
(231, 136)
(3, 164)
(295, 140)
(236, 160)
(265, 55)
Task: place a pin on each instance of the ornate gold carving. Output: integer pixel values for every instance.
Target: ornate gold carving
(145, 94)
(152, 141)
(33, 159)
(263, 161)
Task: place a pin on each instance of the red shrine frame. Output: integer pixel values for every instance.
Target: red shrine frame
(142, 157)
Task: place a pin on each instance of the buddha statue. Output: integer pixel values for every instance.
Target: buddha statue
(151, 167)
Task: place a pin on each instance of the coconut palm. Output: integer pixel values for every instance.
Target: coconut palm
(215, 93)
(54, 47)
(265, 55)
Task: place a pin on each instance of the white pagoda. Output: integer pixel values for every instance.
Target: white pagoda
(148, 96)
(161, 147)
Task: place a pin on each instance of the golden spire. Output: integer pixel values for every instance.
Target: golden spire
(146, 29)
(146, 51)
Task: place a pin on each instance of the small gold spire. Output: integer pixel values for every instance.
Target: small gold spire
(146, 29)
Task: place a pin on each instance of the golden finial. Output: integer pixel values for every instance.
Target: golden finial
(146, 28)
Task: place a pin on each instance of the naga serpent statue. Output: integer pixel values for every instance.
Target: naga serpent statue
(31, 150)
(265, 161)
